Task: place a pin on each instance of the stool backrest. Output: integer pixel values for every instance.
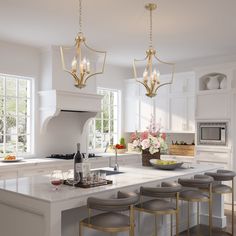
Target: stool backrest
(222, 175)
(199, 181)
(167, 190)
(122, 203)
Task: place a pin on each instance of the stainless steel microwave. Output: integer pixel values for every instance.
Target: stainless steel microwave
(212, 133)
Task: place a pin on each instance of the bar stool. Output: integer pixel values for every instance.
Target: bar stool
(160, 206)
(111, 221)
(219, 188)
(194, 193)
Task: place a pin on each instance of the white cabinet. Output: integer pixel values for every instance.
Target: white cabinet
(131, 105)
(173, 106)
(146, 109)
(178, 113)
(213, 105)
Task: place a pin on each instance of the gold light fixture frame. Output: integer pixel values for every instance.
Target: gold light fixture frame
(151, 90)
(80, 77)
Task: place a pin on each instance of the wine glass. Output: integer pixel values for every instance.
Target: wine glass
(56, 179)
(70, 178)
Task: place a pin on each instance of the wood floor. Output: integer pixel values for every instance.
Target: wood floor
(203, 230)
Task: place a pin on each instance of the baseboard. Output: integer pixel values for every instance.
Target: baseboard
(219, 222)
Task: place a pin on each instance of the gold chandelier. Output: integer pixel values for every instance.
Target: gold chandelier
(151, 75)
(77, 62)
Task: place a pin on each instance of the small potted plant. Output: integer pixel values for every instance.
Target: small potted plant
(121, 147)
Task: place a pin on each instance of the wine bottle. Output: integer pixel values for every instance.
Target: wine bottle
(78, 159)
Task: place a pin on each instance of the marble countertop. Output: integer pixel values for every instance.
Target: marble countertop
(38, 187)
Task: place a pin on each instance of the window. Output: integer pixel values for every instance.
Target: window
(15, 115)
(104, 129)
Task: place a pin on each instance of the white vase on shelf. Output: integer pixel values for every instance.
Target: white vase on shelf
(223, 83)
(212, 82)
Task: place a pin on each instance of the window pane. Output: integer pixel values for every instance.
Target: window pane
(11, 143)
(24, 107)
(1, 145)
(10, 87)
(90, 142)
(1, 105)
(105, 126)
(1, 86)
(23, 143)
(11, 125)
(24, 88)
(114, 98)
(23, 125)
(106, 111)
(1, 125)
(98, 125)
(98, 140)
(112, 126)
(11, 106)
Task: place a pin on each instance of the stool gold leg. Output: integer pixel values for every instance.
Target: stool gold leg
(198, 230)
(188, 217)
(80, 229)
(233, 207)
(177, 223)
(131, 232)
(210, 216)
(155, 218)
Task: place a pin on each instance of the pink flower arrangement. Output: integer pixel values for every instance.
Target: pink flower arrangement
(152, 139)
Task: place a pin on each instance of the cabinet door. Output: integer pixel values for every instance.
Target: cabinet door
(131, 106)
(146, 109)
(178, 114)
(191, 113)
(162, 107)
(211, 106)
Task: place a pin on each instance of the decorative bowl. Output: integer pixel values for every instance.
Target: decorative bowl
(165, 165)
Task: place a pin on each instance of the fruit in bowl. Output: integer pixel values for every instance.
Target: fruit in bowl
(165, 164)
(10, 157)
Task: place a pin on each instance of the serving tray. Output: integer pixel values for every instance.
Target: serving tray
(92, 185)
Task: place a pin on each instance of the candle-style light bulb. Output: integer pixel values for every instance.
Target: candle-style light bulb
(88, 66)
(158, 77)
(145, 76)
(74, 65)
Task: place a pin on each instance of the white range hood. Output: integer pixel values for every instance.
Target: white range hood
(52, 102)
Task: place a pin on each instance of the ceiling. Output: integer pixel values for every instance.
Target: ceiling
(183, 29)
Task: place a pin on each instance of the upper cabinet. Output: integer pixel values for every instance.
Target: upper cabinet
(173, 107)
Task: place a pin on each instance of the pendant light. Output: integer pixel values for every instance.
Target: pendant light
(76, 60)
(151, 73)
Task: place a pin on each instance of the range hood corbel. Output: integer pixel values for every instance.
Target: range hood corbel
(52, 102)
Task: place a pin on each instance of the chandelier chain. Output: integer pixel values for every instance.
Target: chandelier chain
(150, 33)
(80, 16)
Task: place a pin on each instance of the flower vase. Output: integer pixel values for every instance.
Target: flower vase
(146, 156)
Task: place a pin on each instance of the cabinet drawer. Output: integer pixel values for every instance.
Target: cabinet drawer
(214, 157)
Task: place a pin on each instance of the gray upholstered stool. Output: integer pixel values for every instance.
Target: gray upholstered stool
(198, 189)
(160, 205)
(111, 221)
(219, 188)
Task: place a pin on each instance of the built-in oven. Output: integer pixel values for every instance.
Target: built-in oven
(212, 133)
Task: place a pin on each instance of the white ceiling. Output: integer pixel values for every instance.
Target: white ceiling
(183, 29)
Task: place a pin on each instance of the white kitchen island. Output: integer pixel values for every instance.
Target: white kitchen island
(29, 207)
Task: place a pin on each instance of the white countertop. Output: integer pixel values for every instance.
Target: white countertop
(38, 187)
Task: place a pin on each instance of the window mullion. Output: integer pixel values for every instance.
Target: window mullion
(17, 113)
(4, 116)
